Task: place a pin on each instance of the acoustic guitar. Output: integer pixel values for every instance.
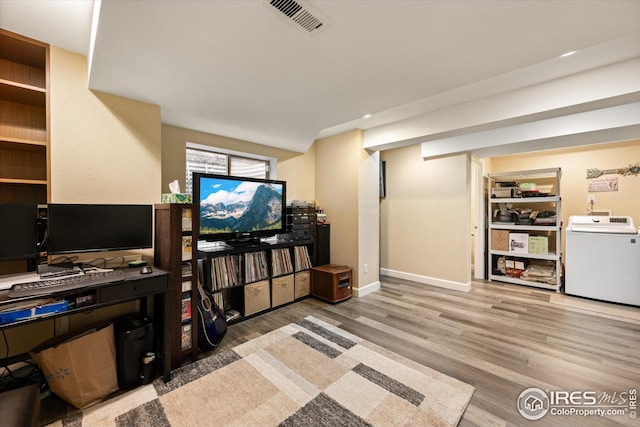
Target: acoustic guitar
(212, 322)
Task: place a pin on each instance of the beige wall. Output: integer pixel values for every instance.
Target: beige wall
(337, 194)
(104, 148)
(347, 190)
(300, 173)
(574, 163)
(295, 168)
(425, 218)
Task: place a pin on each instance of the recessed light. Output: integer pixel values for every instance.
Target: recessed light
(564, 55)
(366, 116)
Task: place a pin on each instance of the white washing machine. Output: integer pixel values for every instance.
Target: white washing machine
(603, 259)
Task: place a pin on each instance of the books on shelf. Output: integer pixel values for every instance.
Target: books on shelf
(186, 219)
(231, 273)
(255, 266)
(186, 248)
(302, 258)
(186, 307)
(281, 262)
(232, 315)
(186, 269)
(218, 300)
(186, 286)
(185, 336)
(225, 272)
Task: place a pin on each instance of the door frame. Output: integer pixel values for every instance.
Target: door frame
(479, 212)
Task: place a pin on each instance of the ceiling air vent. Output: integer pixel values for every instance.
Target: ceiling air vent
(300, 14)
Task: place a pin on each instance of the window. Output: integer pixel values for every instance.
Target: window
(206, 159)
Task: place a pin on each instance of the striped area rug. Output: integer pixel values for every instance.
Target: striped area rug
(308, 373)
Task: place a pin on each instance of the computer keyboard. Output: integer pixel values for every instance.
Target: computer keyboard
(43, 287)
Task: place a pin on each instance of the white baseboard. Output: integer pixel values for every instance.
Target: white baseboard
(367, 289)
(448, 284)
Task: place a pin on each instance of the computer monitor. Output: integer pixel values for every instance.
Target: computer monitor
(75, 228)
(18, 231)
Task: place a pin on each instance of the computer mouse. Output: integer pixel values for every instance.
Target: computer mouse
(146, 270)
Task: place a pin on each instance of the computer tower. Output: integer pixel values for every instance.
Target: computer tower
(135, 339)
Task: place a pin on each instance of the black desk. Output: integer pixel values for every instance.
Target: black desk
(136, 286)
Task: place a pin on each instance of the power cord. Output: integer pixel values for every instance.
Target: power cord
(7, 370)
(106, 261)
(64, 259)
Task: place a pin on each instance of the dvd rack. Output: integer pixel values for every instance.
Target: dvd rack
(173, 252)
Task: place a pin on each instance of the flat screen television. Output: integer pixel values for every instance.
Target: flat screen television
(238, 210)
(18, 231)
(75, 228)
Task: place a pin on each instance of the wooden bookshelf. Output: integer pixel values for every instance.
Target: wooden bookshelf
(24, 119)
(172, 252)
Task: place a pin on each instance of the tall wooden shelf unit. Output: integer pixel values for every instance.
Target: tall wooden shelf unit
(521, 253)
(172, 252)
(24, 119)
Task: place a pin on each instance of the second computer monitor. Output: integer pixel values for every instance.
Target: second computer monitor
(74, 228)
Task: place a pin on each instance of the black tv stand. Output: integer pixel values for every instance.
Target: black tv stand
(251, 280)
(243, 242)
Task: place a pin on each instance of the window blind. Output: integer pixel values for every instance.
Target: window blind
(205, 161)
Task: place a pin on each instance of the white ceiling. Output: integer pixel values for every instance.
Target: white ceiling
(243, 70)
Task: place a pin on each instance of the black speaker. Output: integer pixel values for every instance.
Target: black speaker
(323, 254)
(135, 338)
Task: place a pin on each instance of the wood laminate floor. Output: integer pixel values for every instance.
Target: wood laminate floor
(500, 338)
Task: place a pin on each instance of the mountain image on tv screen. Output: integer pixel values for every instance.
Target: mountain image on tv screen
(230, 206)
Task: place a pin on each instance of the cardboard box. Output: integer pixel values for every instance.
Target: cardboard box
(519, 243)
(256, 297)
(176, 198)
(282, 290)
(302, 284)
(82, 371)
(538, 245)
(500, 240)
